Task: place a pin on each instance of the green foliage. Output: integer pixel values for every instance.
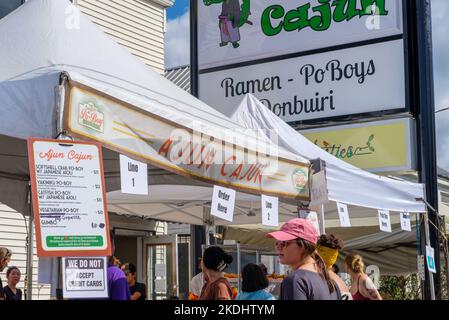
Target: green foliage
(400, 288)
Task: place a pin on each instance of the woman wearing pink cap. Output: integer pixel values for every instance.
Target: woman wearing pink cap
(309, 278)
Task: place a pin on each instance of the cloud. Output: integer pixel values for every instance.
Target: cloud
(177, 41)
(440, 30)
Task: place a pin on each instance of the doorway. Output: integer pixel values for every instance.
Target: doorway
(161, 267)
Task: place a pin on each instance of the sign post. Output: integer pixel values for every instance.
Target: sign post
(425, 113)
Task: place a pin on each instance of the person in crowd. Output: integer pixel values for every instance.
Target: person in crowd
(137, 290)
(118, 288)
(328, 248)
(5, 258)
(116, 262)
(264, 268)
(117, 282)
(254, 283)
(309, 278)
(362, 288)
(11, 290)
(215, 261)
(197, 283)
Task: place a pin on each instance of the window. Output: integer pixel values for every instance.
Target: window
(8, 6)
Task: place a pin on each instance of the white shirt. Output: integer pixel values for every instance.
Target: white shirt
(197, 283)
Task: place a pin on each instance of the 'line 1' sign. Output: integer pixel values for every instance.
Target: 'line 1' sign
(69, 200)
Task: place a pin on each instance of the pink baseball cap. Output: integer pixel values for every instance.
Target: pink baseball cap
(294, 229)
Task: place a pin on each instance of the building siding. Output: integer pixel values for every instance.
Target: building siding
(13, 235)
(137, 25)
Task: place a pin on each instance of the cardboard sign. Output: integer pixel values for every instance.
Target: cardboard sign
(270, 211)
(133, 176)
(85, 277)
(343, 214)
(430, 256)
(318, 191)
(312, 217)
(69, 200)
(223, 202)
(405, 221)
(384, 220)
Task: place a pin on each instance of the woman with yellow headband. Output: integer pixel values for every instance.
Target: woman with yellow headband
(328, 248)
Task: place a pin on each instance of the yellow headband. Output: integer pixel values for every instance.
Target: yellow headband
(329, 255)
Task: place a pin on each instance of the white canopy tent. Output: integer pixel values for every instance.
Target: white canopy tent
(364, 193)
(345, 182)
(49, 49)
(51, 54)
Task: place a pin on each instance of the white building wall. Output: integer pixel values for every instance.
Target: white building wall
(138, 25)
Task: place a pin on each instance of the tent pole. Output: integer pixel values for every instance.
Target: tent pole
(206, 221)
(30, 237)
(427, 235)
(322, 224)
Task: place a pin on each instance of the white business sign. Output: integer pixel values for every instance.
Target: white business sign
(85, 277)
(405, 221)
(343, 214)
(270, 211)
(345, 82)
(384, 220)
(69, 198)
(236, 31)
(133, 176)
(223, 202)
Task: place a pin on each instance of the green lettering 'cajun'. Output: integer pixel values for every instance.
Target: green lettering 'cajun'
(275, 19)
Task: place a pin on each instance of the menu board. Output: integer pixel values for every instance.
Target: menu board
(69, 200)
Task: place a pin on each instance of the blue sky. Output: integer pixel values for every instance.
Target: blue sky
(180, 7)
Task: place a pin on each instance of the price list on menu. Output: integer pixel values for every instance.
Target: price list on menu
(68, 198)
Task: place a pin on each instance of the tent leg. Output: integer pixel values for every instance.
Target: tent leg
(206, 221)
(322, 224)
(29, 284)
(427, 234)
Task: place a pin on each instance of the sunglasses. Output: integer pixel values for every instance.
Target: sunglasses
(284, 244)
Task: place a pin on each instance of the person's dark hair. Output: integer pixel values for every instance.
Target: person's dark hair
(129, 268)
(215, 258)
(11, 269)
(330, 241)
(311, 250)
(253, 278)
(264, 268)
